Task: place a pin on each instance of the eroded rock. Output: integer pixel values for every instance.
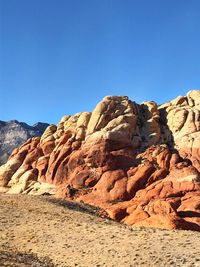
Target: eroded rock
(140, 163)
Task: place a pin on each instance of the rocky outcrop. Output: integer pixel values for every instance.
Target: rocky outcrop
(14, 133)
(140, 163)
(183, 122)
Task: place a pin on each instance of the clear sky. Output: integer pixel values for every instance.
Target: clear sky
(60, 57)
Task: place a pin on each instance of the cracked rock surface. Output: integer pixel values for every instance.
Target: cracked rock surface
(138, 162)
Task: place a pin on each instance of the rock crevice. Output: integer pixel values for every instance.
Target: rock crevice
(140, 163)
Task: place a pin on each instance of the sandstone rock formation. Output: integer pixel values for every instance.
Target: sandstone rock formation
(140, 163)
(14, 133)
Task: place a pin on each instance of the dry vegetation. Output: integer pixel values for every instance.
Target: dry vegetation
(42, 231)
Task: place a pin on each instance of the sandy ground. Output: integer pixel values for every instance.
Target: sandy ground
(43, 231)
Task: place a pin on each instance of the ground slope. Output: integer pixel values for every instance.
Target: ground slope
(42, 231)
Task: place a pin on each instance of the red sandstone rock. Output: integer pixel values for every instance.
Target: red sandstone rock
(140, 163)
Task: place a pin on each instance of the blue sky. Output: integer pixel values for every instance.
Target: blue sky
(60, 57)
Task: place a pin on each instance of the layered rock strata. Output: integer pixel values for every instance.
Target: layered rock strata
(14, 133)
(140, 163)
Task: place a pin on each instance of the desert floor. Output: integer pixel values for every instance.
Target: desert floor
(43, 231)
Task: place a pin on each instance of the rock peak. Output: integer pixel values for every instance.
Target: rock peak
(139, 162)
(14, 133)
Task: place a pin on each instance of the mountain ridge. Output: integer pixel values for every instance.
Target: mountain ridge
(14, 133)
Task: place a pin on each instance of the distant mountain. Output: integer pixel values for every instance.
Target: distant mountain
(14, 133)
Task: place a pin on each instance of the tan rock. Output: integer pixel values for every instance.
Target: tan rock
(25, 180)
(140, 163)
(8, 169)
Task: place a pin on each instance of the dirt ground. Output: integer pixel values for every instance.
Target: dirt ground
(43, 231)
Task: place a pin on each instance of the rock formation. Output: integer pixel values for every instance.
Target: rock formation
(14, 133)
(140, 163)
